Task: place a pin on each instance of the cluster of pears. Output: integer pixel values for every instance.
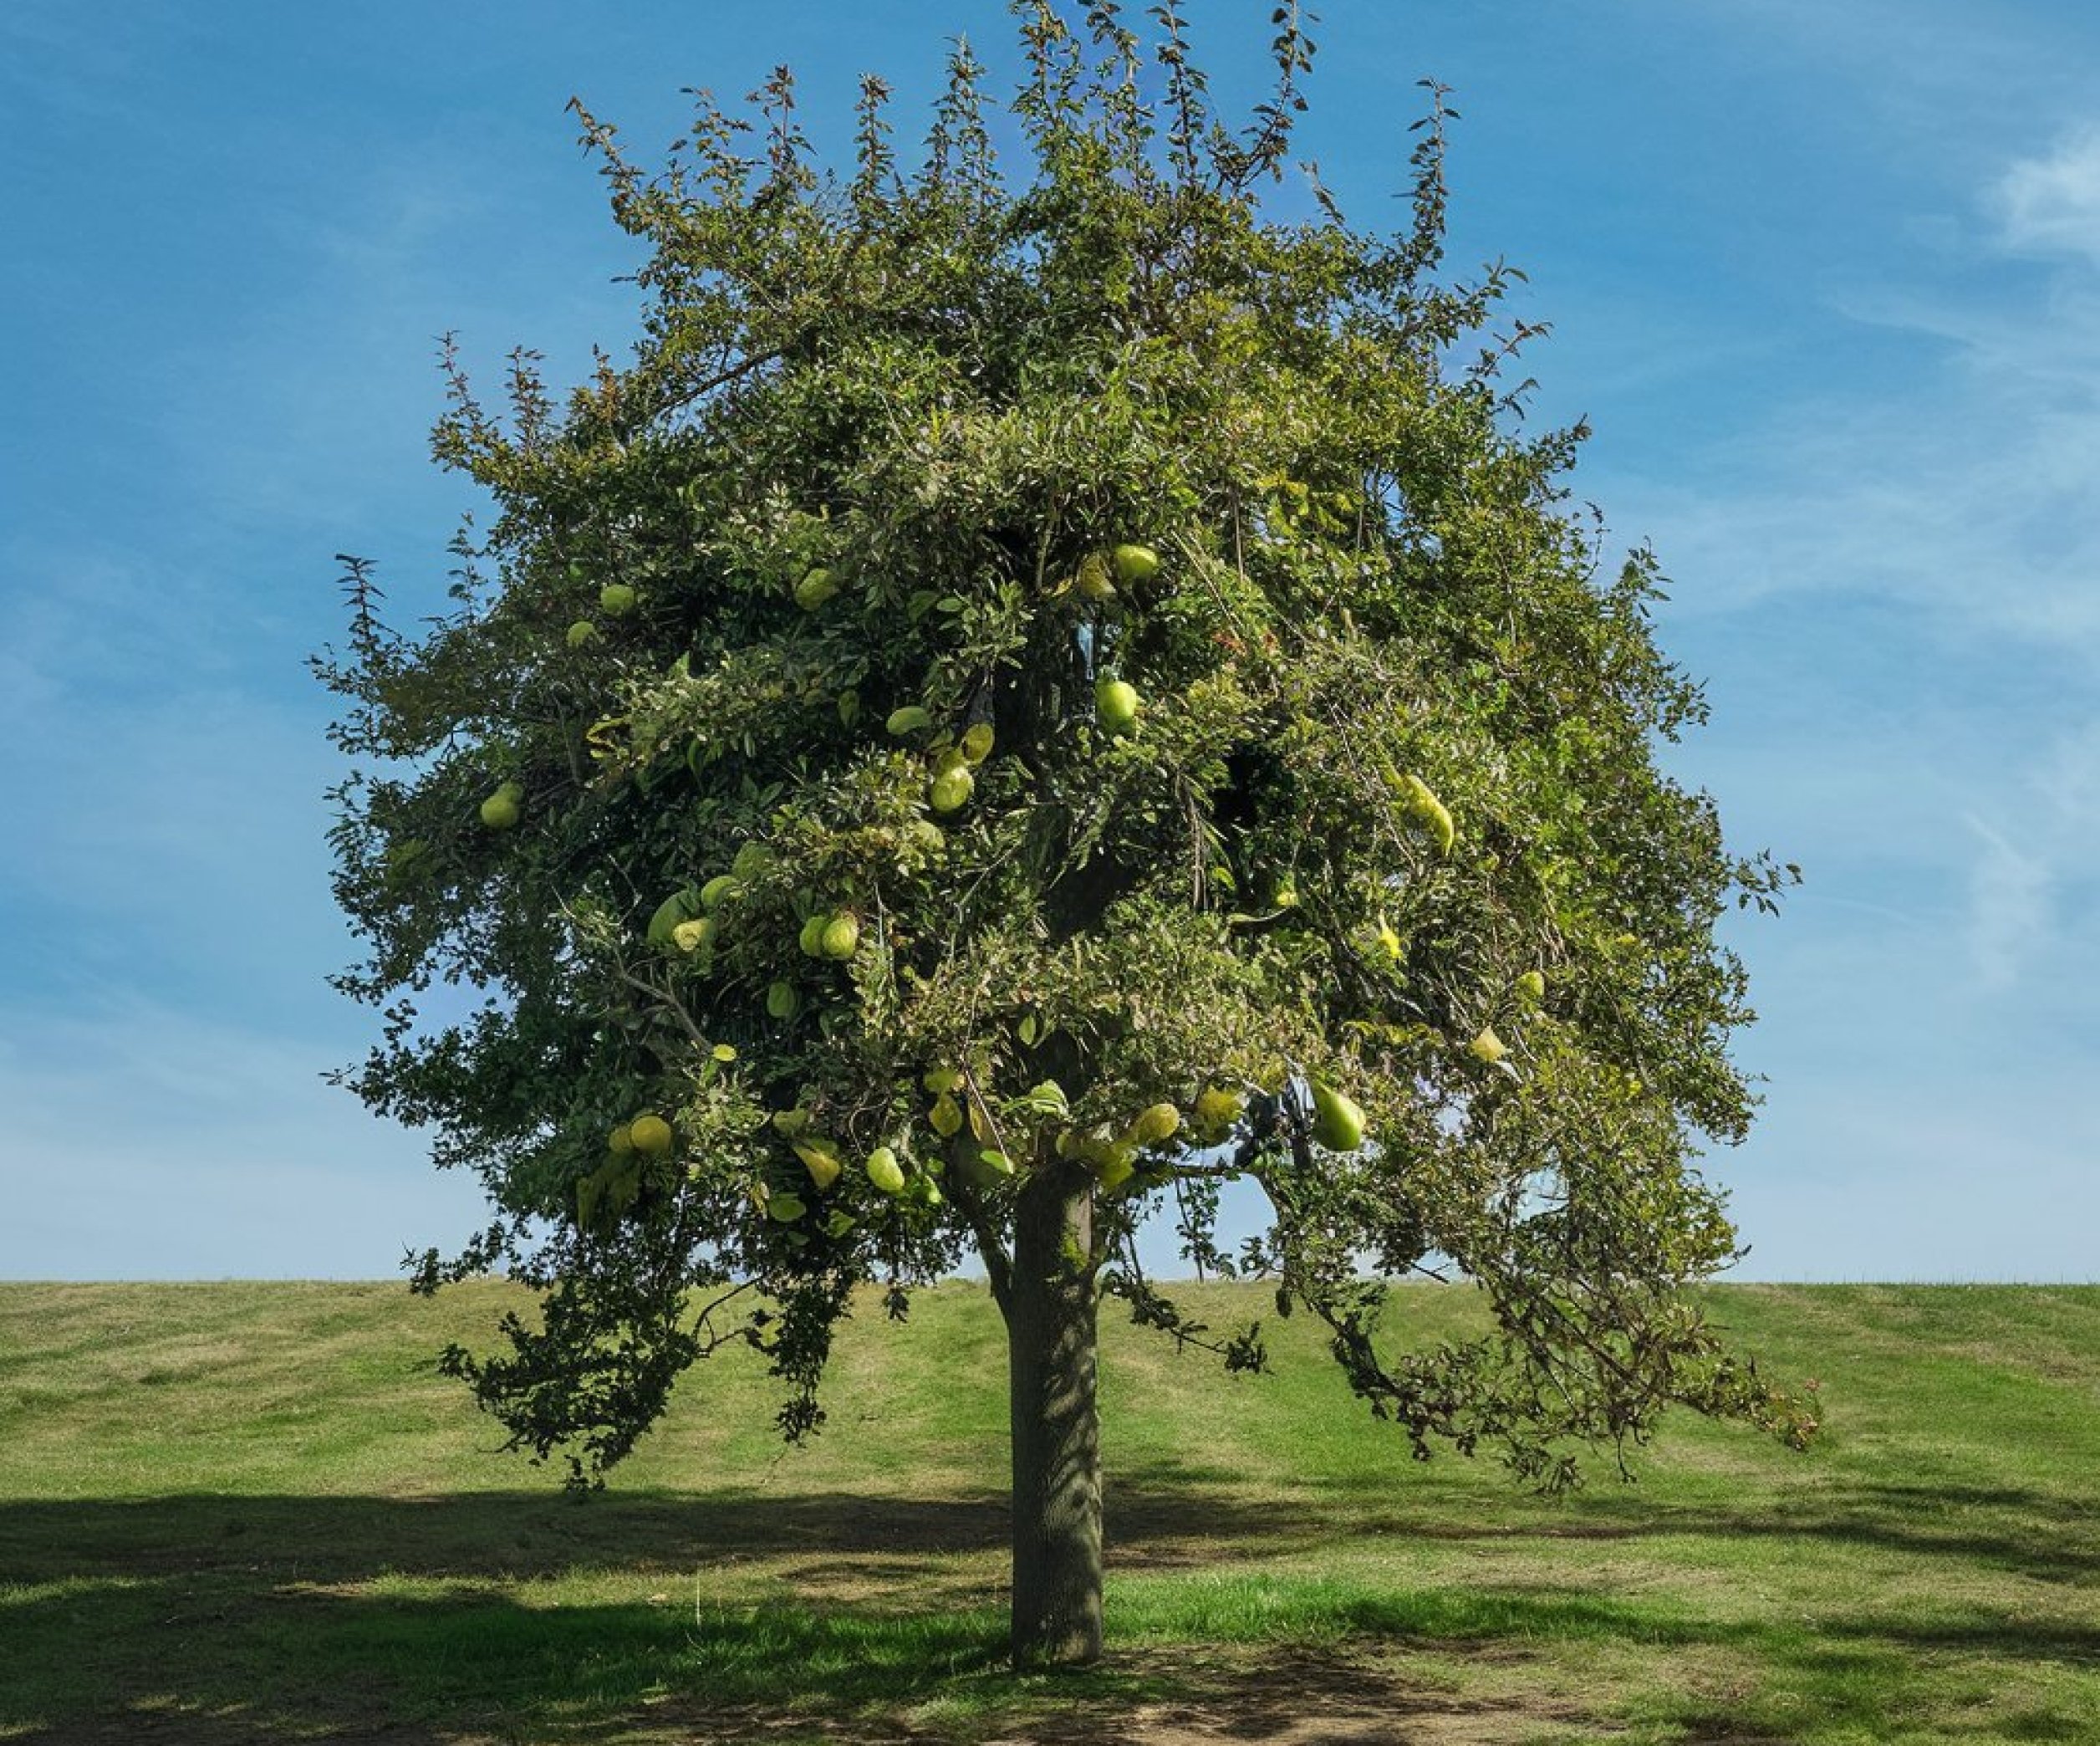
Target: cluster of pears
(1099, 572)
(1114, 1158)
(1337, 1125)
(1112, 1155)
(821, 1157)
(614, 1184)
(830, 934)
(1100, 577)
(954, 1106)
(616, 600)
(649, 1135)
(689, 919)
(953, 778)
(1116, 703)
(692, 918)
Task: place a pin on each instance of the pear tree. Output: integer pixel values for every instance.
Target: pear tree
(1041, 689)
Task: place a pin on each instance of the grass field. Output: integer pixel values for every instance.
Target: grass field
(252, 1512)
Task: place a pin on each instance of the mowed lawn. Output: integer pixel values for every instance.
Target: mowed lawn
(251, 1512)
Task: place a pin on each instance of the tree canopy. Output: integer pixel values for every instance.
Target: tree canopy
(1042, 679)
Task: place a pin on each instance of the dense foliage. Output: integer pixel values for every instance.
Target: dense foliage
(1060, 673)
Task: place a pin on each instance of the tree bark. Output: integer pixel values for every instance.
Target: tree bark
(1052, 1364)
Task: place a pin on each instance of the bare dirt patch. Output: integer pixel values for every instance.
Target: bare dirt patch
(1300, 1700)
(1288, 1698)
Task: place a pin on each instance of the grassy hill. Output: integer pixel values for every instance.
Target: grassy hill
(247, 1513)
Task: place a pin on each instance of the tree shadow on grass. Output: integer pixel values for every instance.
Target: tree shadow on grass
(2047, 1536)
(226, 1619)
(525, 1615)
(594, 1676)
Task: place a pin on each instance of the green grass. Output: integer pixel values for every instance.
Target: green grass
(250, 1512)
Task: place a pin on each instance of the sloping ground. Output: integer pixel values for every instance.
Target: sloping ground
(241, 1512)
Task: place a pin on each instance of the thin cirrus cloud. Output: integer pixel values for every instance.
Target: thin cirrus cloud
(1858, 414)
(2009, 908)
(2050, 205)
(1896, 596)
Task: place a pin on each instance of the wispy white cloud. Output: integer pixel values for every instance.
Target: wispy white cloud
(1930, 77)
(1916, 572)
(2050, 205)
(1955, 517)
(2009, 908)
(1969, 498)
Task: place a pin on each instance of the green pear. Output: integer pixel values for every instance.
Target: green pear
(949, 791)
(501, 809)
(814, 589)
(841, 938)
(1136, 563)
(884, 1172)
(582, 633)
(1161, 1121)
(616, 600)
(1115, 706)
(820, 1158)
(651, 1135)
(1338, 1122)
(679, 907)
(1218, 1110)
(781, 1001)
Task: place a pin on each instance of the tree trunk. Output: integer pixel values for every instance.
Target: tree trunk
(1052, 1361)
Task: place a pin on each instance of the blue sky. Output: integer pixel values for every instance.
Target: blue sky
(1825, 279)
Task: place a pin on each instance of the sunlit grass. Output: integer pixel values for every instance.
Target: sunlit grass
(246, 1512)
